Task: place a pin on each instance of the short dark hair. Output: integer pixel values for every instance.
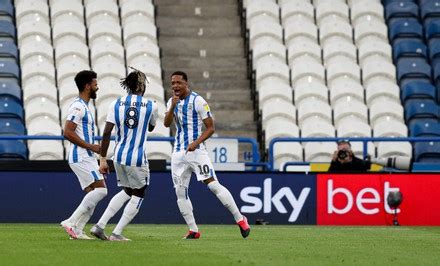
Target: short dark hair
(343, 141)
(135, 82)
(84, 77)
(180, 73)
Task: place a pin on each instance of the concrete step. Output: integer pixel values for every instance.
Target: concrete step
(169, 21)
(231, 104)
(222, 86)
(204, 63)
(242, 95)
(233, 116)
(236, 133)
(210, 11)
(213, 73)
(192, 47)
(202, 3)
(201, 31)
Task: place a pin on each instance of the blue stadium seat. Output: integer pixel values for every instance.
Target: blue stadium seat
(410, 68)
(416, 121)
(7, 29)
(418, 90)
(12, 149)
(9, 69)
(10, 108)
(400, 9)
(11, 126)
(8, 49)
(408, 28)
(430, 10)
(8, 88)
(421, 109)
(425, 129)
(427, 152)
(409, 47)
(6, 10)
(434, 50)
(432, 29)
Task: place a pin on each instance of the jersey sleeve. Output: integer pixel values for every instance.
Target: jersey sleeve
(202, 108)
(111, 113)
(76, 113)
(154, 114)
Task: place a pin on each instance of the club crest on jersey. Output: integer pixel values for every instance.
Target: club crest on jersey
(190, 106)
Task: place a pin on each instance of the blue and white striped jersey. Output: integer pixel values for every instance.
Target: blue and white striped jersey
(131, 114)
(79, 113)
(188, 117)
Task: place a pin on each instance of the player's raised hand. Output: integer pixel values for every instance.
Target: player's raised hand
(175, 100)
(192, 147)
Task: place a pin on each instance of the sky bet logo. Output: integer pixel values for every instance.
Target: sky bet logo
(258, 198)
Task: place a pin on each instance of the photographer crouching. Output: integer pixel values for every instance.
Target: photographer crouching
(344, 160)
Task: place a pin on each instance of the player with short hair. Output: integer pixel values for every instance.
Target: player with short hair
(132, 115)
(189, 112)
(80, 131)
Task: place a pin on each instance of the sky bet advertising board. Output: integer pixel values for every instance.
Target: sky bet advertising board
(277, 198)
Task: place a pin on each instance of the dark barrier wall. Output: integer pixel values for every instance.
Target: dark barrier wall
(278, 198)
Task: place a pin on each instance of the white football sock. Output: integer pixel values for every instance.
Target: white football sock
(186, 208)
(82, 221)
(88, 203)
(113, 207)
(129, 213)
(225, 198)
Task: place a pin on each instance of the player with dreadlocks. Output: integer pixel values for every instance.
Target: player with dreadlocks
(131, 114)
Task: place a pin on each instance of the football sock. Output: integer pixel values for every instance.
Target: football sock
(88, 203)
(82, 221)
(113, 207)
(186, 208)
(129, 213)
(225, 198)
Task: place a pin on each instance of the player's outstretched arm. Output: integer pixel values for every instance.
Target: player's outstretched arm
(70, 135)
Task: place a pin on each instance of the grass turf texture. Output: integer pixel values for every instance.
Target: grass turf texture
(37, 244)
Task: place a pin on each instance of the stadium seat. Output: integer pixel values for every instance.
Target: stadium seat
(366, 10)
(368, 31)
(306, 71)
(312, 107)
(7, 11)
(343, 69)
(149, 66)
(409, 48)
(11, 126)
(69, 32)
(355, 128)
(109, 87)
(43, 67)
(31, 11)
(390, 128)
(46, 150)
(101, 31)
(427, 152)
(279, 90)
(43, 125)
(7, 30)
(137, 32)
(159, 130)
(418, 90)
(107, 49)
(318, 129)
(401, 9)
(329, 9)
(29, 31)
(159, 150)
(9, 70)
(319, 151)
(284, 152)
(296, 11)
(374, 51)
(300, 51)
(354, 110)
(306, 90)
(378, 70)
(334, 52)
(297, 30)
(421, 109)
(405, 29)
(413, 68)
(10, 89)
(109, 68)
(389, 149)
(275, 108)
(275, 69)
(343, 89)
(266, 32)
(66, 11)
(142, 48)
(137, 11)
(430, 10)
(385, 110)
(71, 52)
(260, 10)
(34, 50)
(43, 89)
(384, 90)
(12, 150)
(8, 51)
(41, 106)
(69, 67)
(279, 127)
(425, 129)
(9, 107)
(101, 11)
(335, 31)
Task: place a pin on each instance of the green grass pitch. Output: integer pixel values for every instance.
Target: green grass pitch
(48, 244)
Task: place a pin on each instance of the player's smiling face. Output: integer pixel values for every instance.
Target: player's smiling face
(179, 86)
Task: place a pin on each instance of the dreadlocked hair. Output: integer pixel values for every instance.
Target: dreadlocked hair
(135, 82)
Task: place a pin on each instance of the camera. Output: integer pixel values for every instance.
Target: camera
(343, 154)
(396, 162)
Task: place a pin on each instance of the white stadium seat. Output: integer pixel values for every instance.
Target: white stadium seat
(306, 90)
(41, 106)
(385, 111)
(101, 31)
(109, 67)
(137, 31)
(109, 87)
(149, 66)
(66, 11)
(300, 51)
(277, 108)
(105, 49)
(35, 30)
(160, 130)
(331, 9)
(155, 92)
(69, 32)
(355, 128)
(68, 91)
(351, 110)
(368, 31)
(376, 50)
(35, 89)
(378, 70)
(136, 49)
(297, 11)
(65, 51)
(31, 11)
(298, 30)
(388, 149)
(279, 90)
(279, 127)
(287, 152)
(382, 90)
(317, 129)
(337, 51)
(46, 150)
(136, 11)
(335, 31)
(343, 69)
(272, 69)
(268, 49)
(266, 31)
(366, 10)
(319, 151)
(392, 128)
(306, 71)
(312, 107)
(43, 125)
(258, 10)
(69, 67)
(159, 150)
(31, 68)
(101, 11)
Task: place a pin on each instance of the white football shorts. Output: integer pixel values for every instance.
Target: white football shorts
(132, 176)
(183, 164)
(87, 171)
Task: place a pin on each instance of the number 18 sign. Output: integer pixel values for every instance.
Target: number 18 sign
(222, 150)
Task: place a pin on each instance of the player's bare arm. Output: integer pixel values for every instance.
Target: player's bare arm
(69, 134)
(169, 115)
(207, 133)
(103, 166)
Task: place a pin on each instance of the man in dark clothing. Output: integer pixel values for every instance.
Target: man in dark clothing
(345, 161)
